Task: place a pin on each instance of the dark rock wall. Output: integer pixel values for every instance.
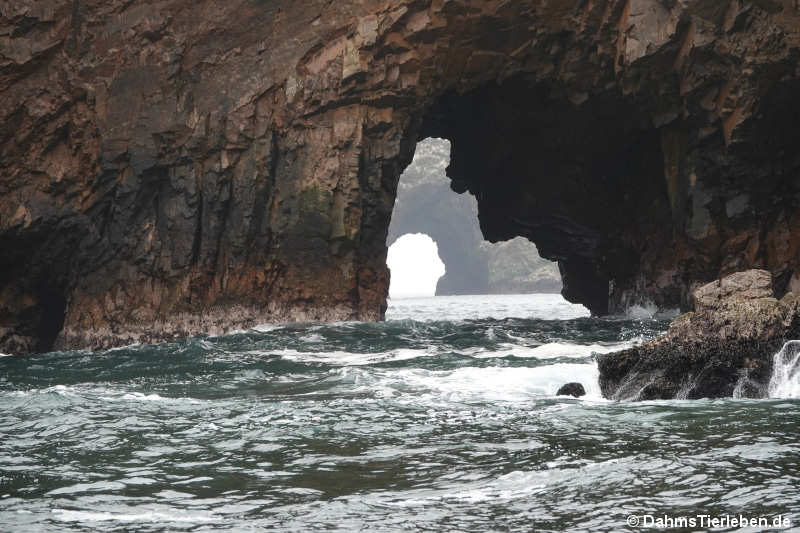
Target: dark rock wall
(174, 167)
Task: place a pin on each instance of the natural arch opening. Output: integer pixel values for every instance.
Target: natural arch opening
(415, 266)
(583, 178)
(426, 203)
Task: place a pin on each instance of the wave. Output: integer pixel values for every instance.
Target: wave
(551, 350)
(473, 384)
(554, 350)
(785, 380)
(165, 516)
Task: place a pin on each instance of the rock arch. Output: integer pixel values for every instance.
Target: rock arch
(182, 168)
(468, 270)
(416, 266)
(426, 203)
(429, 206)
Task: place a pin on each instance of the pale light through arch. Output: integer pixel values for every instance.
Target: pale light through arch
(415, 266)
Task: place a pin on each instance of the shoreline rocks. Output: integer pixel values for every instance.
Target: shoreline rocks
(725, 348)
(573, 389)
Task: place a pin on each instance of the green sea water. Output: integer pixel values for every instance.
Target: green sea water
(443, 418)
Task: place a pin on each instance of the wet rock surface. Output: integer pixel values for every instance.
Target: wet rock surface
(575, 390)
(179, 168)
(725, 348)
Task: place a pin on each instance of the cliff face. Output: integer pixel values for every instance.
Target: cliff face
(425, 203)
(176, 167)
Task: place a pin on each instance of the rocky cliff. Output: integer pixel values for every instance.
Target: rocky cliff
(172, 167)
(425, 203)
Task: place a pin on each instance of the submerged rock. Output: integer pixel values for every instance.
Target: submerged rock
(573, 389)
(724, 348)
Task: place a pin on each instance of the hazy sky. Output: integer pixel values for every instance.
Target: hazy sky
(415, 265)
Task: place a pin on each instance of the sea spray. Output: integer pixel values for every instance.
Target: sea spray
(785, 381)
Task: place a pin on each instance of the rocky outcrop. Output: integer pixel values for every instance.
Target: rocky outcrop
(725, 348)
(182, 167)
(425, 203)
(575, 390)
(515, 267)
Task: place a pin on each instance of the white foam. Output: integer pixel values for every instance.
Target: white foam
(60, 389)
(643, 311)
(145, 397)
(110, 395)
(138, 481)
(343, 358)
(266, 328)
(785, 380)
(545, 351)
(649, 311)
(492, 384)
(125, 347)
(510, 486)
(67, 515)
(554, 350)
(99, 486)
(193, 480)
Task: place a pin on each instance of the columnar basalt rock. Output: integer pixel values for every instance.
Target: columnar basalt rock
(176, 167)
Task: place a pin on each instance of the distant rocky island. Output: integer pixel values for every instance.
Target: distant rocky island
(426, 204)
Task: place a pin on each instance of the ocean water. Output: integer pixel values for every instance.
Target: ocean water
(443, 418)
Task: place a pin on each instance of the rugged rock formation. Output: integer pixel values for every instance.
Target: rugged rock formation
(177, 167)
(426, 204)
(726, 347)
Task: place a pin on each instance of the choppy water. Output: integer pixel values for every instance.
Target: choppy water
(440, 419)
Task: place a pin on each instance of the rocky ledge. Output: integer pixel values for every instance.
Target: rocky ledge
(725, 348)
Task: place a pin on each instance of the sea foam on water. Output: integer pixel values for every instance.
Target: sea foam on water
(785, 381)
